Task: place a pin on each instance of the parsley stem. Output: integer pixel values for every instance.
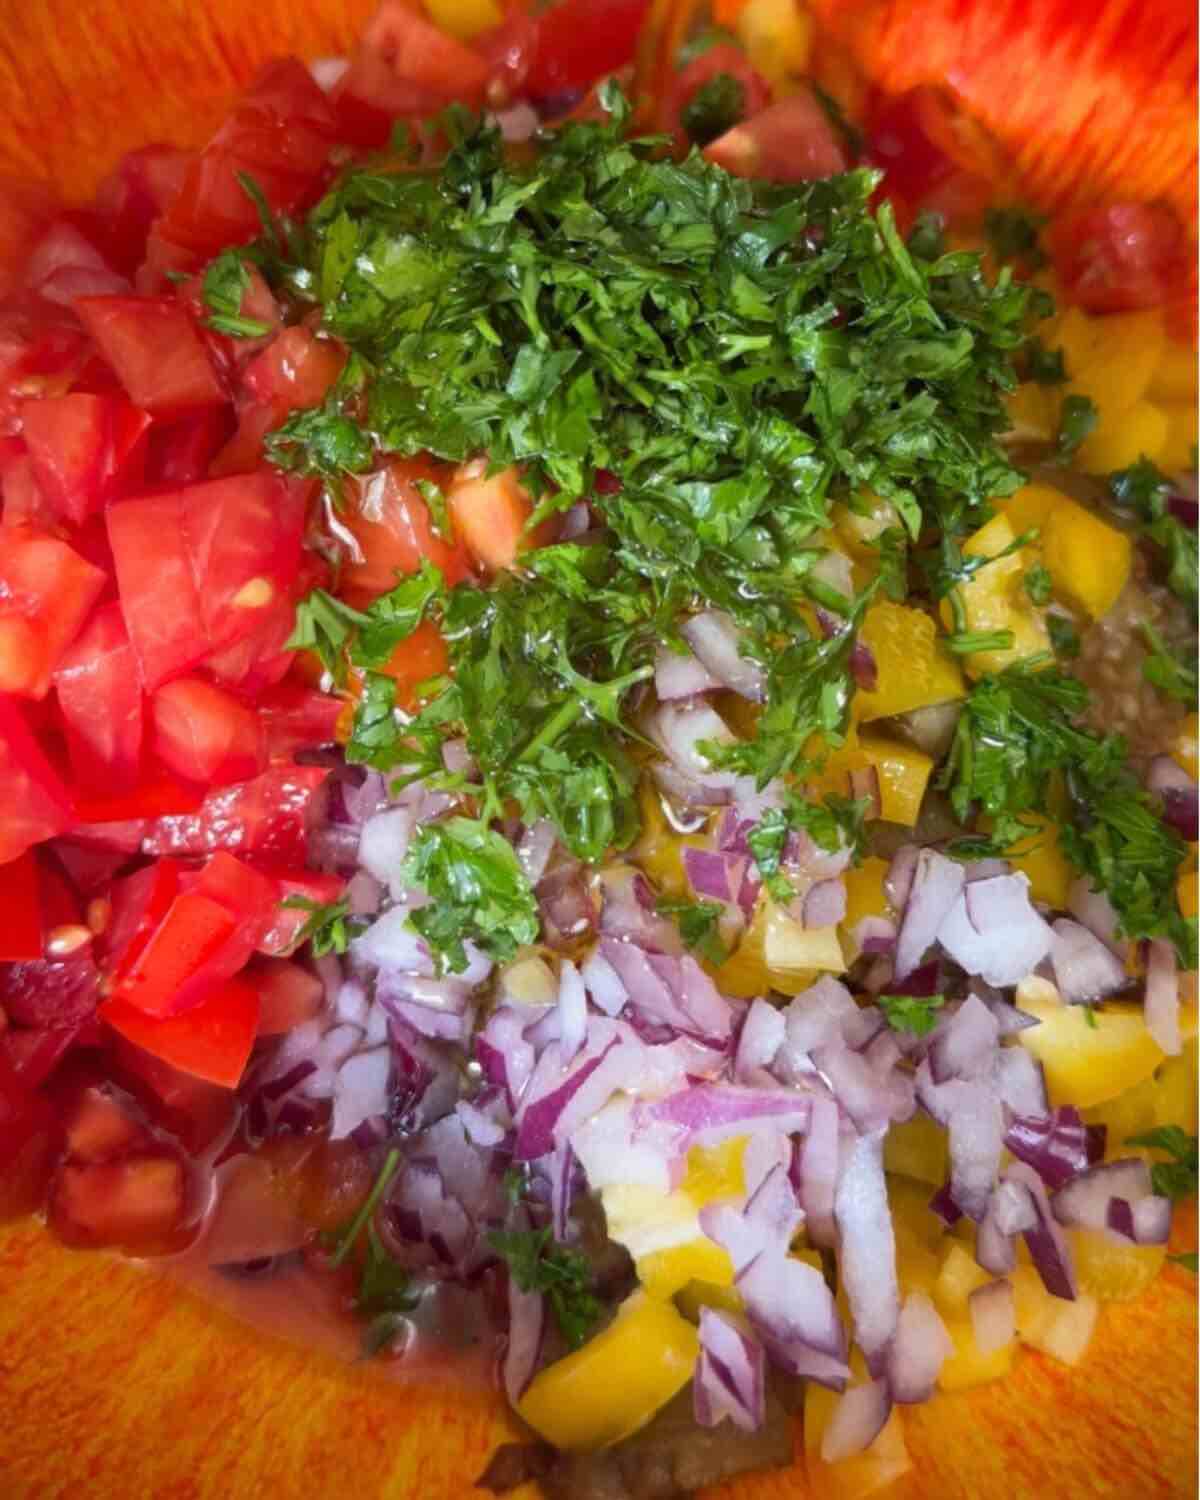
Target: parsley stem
(967, 642)
(558, 723)
(386, 1173)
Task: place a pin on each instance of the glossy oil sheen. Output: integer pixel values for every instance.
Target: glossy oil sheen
(115, 1385)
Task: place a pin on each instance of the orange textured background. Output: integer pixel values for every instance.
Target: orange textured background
(116, 1386)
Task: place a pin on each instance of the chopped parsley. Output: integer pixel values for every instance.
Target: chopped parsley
(716, 106)
(325, 625)
(698, 923)
(226, 282)
(1174, 1179)
(1045, 366)
(1143, 495)
(383, 1294)
(1076, 421)
(915, 1013)
(538, 1263)
(329, 927)
(1038, 584)
(1013, 234)
(1173, 676)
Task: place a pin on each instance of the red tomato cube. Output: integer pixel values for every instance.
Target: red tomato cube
(267, 819)
(136, 1204)
(34, 803)
(153, 345)
(100, 697)
(204, 734)
(212, 1041)
(159, 597)
(46, 592)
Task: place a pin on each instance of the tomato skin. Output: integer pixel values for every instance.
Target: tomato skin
(100, 698)
(722, 57)
(205, 735)
(112, 815)
(297, 717)
(34, 803)
(134, 1204)
(139, 189)
(66, 263)
(211, 1041)
(280, 133)
(1121, 258)
(46, 592)
(390, 521)
(579, 41)
(403, 66)
(293, 373)
(791, 141)
(152, 344)
(265, 820)
(180, 452)
(159, 598)
(21, 903)
(490, 514)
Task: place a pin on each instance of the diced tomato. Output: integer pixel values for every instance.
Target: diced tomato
(46, 592)
(152, 344)
(66, 263)
(722, 57)
(24, 503)
(49, 992)
(1120, 258)
(490, 513)
(34, 803)
(280, 938)
(85, 450)
(180, 452)
(212, 1041)
(243, 539)
(100, 697)
(193, 1111)
(112, 819)
(250, 894)
(92, 868)
(296, 717)
(204, 734)
(266, 819)
(579, 41)
(100, 1127)
(415, 660)
(404, 66)
(20, 901)
(135, 1204)
(508, 50)
(294, 372)
(37, 1054)
(25, 210)
(792, 141)
(43, 350)
(130, 199)
(140, 903)
(29, 1142)
(280, 135)
(159, 596)
(390, 520)
(288, 994)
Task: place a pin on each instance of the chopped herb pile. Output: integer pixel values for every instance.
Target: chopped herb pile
(914, 1013)
(537, 1263)
(1175, 1179)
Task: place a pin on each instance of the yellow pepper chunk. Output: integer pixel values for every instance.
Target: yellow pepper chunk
(1033, 411)
(1040, 857)
(1086, 1064)
(1174, 377)
(1179, 443)
(716, 1171)
(665, 1272)
(659, 849)
(614, 1384)
(876, 1468)
(1111, 359)
(914, 668)
(1088, 560)
(960, 1275)
(1029, 506)
(967, 1366)
(1122, 436)
(697, 1294)
(860, 525)
(865, 895)
(903, 773)
(777, 36)
(1187, 893)
(995, 598)
(918, 1148)
(464, 18)
(1113, 1270)
(1185, 746)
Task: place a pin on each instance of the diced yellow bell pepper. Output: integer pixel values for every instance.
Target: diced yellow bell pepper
(1187, 894)
(914, 668)
(1088, 560)
(995, 598)
(715, 1172)
(1111, 359)
(1166, 1097)
(876, 1468)
(614, 1384)
(664, 1272)
(967, 1366)
(697, 1294)
(1033, 411)
(790, 948)
(1185, 745)
(659, 849)
(1174, 377)
(865, 896)
(916, 1225)
(917, 1148)
(961, 1274)
(1112, 1269)
(1032, 1303)
(1179, 443)
(464, 18)
(1122, 436)
(1041, 859)
(903, 773)
(1086, 1064)
(777, 36)
(860, 528)
(1029, 506)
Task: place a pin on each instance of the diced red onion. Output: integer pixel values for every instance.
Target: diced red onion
(604, 986)
(974, 1116)
(685, 792)
(937, 884)
(1010, 1212)
(1151, 1220)
(384, 843)
(867, 1244)
(565, 904)
(897, 883)
(483, 1127)
(864, 787)
(863, 667)
(1162, 996)
(993, 1316)
(535, 848)
(964, 1045)
(1009, 1018)
(1046, 1243)
(505, 1056)
(629, 911)
(714, 876)
(730, 1378)
(679, 730)
(1179, 795)
(716, 640)
(1083, 1201)
(825, 904)
(360, 1090)
(679, 674)
(712, 1112)
(1056, 1144)
(993, 930)
(855, 1085)
(918, 1351)
(572, 1012)
(874, 935)
(817, 1164)
(540, 1117)
(1021, 1082)
(1085, 968)
(794, 1313)
(618, 1145)
(1096, 912)
(760, 1039)
(425, 1081)
(857, 1420)
(817, 1015)
(526, 1335)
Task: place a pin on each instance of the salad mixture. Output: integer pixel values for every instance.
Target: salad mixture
(597, 734)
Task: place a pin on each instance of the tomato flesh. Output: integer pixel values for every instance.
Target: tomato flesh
(100, 698)
(282, 935)
(288, 994)
(204, 734)
(137, 1204)
(390, 520)
(34, 803)
(20, 901)
(212, 1041)
(266, 819)
(152, 344)
(581, 40)
(46, 592)
(1121, 258)
(792, 141)
(159, 597)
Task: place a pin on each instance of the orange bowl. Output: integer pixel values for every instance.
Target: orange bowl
(116, 1383)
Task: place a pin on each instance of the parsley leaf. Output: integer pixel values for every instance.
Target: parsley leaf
(329, 928)
(1174, 1179)
(716, 106)
(539, 1264)
(321, 440)
(1077, 419)
(698, 927)
(1046, 366)
(767, 841)
(477, 891)
(1142, 494)
(394, 616)
(1013, 233)
(914, 1013)
(325, 625)
(1170, 674)
(1038, 583)
(1064, 637)
(340, 1242)
(226, 282)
